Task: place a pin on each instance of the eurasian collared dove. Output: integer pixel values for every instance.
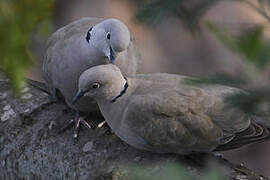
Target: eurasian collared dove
(80, 45)
(162, 113)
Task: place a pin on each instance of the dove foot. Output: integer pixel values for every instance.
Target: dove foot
(105, 126)
(76, 123)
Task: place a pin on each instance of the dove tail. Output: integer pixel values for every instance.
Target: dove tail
(55, 94)
(38, 85)
(256, 132)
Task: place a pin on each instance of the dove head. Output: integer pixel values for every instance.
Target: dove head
(111, 37)
(102, 82)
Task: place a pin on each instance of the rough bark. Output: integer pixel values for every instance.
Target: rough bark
(31, 148)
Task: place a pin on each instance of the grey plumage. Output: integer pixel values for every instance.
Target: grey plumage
(74, 48)
(162, 113)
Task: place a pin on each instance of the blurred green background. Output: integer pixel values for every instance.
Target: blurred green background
(19, 19)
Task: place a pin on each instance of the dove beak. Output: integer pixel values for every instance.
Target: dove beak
(112, 55)
(78, 96)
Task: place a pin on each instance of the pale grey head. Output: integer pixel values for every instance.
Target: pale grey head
(111, 37)
(102, 82)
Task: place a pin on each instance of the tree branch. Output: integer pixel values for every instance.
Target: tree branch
(31, 148)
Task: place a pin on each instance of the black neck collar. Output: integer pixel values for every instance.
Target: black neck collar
(122, 92)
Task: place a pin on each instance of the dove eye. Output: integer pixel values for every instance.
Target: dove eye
(95, 85)
(109, 36)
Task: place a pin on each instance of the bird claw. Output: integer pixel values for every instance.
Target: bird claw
(76, 121)
(104, 125)
(86, 124)
(77, 125)
(100, 125)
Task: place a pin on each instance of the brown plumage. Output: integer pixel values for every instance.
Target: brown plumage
(162, 113)
(83, 44)
(69, 54)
